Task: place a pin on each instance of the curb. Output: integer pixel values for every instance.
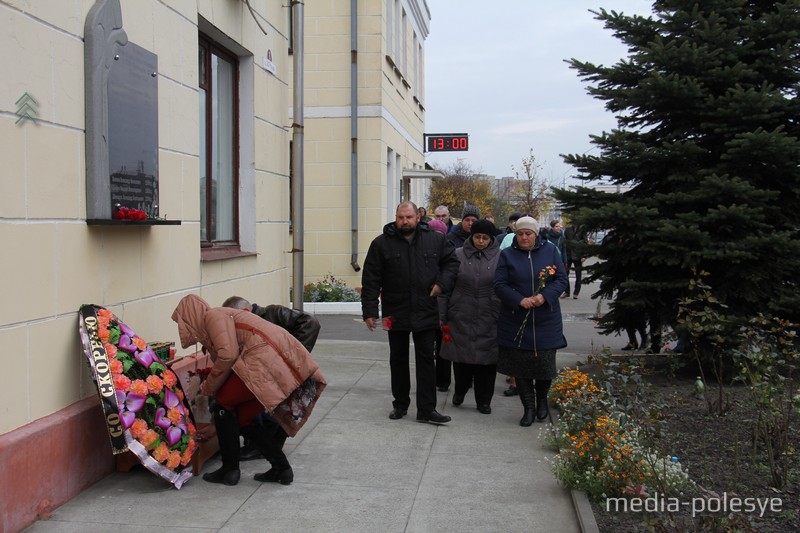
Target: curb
(584, 511)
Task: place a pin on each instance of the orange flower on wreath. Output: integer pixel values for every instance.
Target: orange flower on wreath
(149, 439)
(104, 334)
(154, 384)
(122, 383)
(139, 342)
(170, 379)
(139, 428)
(138, 386)
(174, 459)
(161, 453)
(117, 368)
(111, 350)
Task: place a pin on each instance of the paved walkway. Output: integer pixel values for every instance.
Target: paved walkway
(356, 470)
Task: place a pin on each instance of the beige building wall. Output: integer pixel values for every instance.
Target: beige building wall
(53, 261)
(391, 120)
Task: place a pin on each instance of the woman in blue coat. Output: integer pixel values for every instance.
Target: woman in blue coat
(529, 279)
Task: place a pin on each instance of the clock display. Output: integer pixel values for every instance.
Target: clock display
(446, 142)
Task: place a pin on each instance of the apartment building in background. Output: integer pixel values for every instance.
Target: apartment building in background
(364, 126)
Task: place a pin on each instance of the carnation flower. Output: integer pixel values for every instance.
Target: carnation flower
(138, 429)
(122, 382)
(154, 384)
(169, 378)
(139, 387)
(161, 453)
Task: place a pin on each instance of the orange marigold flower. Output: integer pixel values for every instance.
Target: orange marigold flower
(139, 342)
(117, 367)
(170, 379)
(149, 439)
(154, 384)
(138, 386)
(174, 459)
(138, 428)
(161, 453)
(122, 382)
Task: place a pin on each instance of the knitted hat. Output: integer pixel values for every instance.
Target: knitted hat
(471, 211)
(528, 223)
(483, 226)
(438, 225)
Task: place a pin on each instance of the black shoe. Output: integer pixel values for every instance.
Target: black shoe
(511, 391)
(249, 453)
(484, 408)
(226, 475)
(397, 414)
(433, 417)
(273, 475)
(542, 412)
(458, 399)
(527, 418)
(443, 389)
(629, 347)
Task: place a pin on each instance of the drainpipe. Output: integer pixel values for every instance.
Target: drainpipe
(354, 134)
(298, 227)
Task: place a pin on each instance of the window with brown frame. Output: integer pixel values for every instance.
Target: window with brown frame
(219, 151)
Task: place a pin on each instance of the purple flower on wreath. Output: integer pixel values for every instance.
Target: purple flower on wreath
(146, 357)
(126, 343)
(129, 403)
(161, 419)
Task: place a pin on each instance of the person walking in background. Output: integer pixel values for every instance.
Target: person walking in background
(461, 231)
(497, 231)
(443, 366)
(529, 279)
(442, 213)
(407, 267)
(423, 215)
(257, 366)
(305, 328)
(556, 236)
(512, 219)
(575, 238)
(469, 315)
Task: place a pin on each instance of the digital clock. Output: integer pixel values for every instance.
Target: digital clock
(446, 142)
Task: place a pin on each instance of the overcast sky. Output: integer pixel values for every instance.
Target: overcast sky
(495, 69)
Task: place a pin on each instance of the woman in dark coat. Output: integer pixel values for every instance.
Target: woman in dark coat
(469, 317)
(529, 280)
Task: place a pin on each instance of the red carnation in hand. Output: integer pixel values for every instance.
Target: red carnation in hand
(387, 323)
(446, 337)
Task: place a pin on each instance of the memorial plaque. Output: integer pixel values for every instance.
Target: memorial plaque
(133, 129)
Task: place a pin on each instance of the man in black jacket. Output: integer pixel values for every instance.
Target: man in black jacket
(407, 267)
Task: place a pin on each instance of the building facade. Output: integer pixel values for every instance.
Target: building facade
(364, 126)
(212, 174)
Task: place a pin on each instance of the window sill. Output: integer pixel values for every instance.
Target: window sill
(218, 254)
(112, 222)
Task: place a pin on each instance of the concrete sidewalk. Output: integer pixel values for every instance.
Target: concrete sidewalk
(356, 470)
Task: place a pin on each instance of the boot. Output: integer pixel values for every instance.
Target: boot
(527, 396)
(227, 426)
(270, 443)
(542, 388)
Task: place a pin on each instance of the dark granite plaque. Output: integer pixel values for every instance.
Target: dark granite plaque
(133, 129)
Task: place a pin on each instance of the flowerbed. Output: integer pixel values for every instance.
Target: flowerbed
(601, 449)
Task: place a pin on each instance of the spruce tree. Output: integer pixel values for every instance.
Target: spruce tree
(708, 140)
